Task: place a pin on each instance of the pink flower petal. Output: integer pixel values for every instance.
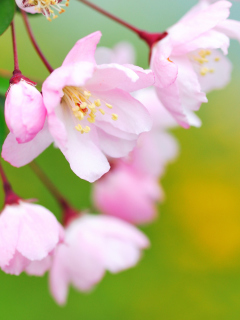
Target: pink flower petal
(132, 115)
(114, 146)
(38, 268)
(83, 50)
(19, 155)
(164, 69)
(231, 28)
(202, 21)
(68, 75)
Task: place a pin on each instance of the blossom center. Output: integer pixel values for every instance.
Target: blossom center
(205, 59)
(84, 105)
(47, 7)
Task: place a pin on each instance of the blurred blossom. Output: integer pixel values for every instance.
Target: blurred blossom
(28, 234)
(131, 189)
(90, 111)
(48, 8)
(187, 63)
(92, 245)
(122, 53)
(24, 111)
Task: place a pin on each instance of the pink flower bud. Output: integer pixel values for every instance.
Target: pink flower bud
(24, 111)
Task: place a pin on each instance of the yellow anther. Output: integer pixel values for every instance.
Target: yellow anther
(114, 116)
(204, 71)
(208, 52)
(92, 115)
(54, 17)
(49, 19)
(109, 105)
(78, 127)
(101, 110)
(91, 106)
(61, 11)
(97, 103)
(51, 11)
(211, 70)
(202, 53)
(217, 59)
(87, 94)
(200, 59)
(67, 4)
(91, 120)
(86, 129)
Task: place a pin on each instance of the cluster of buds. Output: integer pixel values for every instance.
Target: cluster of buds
(110, 119)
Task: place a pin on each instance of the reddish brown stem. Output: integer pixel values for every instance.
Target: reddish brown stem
(34, 42)
(149, 38)
(10, 196)
(68, 212)
(14, 41)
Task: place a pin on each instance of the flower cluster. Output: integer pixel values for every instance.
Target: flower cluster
(111, 120)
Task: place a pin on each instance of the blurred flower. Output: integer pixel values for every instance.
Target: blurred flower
(186, 63)
(24, 110)
(90, 111)
(93, 244)
(131, 189)
(28, 233)
(122, 53)
(47, 7)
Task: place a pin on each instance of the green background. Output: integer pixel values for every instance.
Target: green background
(192, 270)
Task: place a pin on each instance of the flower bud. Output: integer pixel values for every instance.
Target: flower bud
(24, 109)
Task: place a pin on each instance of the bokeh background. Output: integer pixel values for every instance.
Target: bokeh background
(192, 270)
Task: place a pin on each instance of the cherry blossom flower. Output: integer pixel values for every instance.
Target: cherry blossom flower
(90, 112)
(48, 8)
(24, 110)
(187, 63)
(28, 234)
(92, 245)
(121, 192)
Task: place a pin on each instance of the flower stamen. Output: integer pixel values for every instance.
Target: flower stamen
(78, 99)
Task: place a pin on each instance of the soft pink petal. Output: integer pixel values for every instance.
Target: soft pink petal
(122, 53)
(164, 69)
(153, 151)
(68, 75)
(81, 150)
(191, 94)
(8, 233)
(162, 119)
(208, 40)
(78, 262)
(202, 21)
(122, 194)
(113, 227)
(230, 28)
(111, 76)
(39, 232)
(38, 268)
(83, 50)
(170, 98)
(19, 155)
(17, 264)
(132, 115)
(114, 146)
